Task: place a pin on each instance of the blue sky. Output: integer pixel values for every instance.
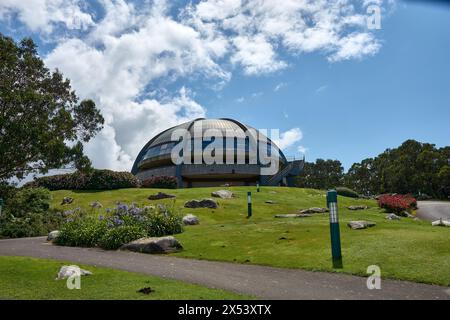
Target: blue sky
(346, 106)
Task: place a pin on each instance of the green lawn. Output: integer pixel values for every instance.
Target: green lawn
(406, 249)
(30, 278)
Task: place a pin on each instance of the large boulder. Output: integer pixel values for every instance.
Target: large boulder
(356, 208)
(355, 225)
(204, 203)
(223, 194)
(294, 215)
(314, 210)
(154, 245)
(160, 195)
(190, 220)
(53, 235)
(69, 271)
(441, 223)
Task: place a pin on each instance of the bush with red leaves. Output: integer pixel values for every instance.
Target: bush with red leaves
(397, 203)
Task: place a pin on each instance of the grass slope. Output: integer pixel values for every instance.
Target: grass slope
(406, 249)
(30, 278)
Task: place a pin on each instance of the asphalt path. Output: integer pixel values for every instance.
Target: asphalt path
(433, 210)
(259, 281)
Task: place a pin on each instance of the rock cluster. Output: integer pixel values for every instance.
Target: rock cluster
(355, 225)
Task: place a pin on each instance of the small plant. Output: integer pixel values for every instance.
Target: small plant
(161, 182)
(114, 238)
(347, 192)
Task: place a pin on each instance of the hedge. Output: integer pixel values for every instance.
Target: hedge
(94, 180)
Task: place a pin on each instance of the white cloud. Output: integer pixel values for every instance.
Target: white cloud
(43, 15)
(289, 138)
(279, 86)
(321, 89)
(127, 58)
(302, 149)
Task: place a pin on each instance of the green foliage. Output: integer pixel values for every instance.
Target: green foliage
(91, 180)
(323, 174)
(40, 113)
(347, 192)
(118, 226)
(114, 238)
(412, 168)
(28, 214)
(82, 232)
(161, 182)
(160, 224)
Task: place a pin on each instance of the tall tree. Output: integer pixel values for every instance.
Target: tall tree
(42, 122)
(323, 174)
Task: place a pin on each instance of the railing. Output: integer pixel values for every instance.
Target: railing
(280, 175)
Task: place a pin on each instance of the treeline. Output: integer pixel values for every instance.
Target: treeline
(413, 168)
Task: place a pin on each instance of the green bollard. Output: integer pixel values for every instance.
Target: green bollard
(249, 201)
(334, 229)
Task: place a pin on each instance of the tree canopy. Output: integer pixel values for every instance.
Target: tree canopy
(42, 122)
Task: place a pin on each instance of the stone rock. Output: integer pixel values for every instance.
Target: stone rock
(52, 235)
(359, 207)
(96, 205)
(392, 216)
(160, 195)
(69, 271)
(441, 223)
(355, 225)
(270, 202)
(223, 194)
(154, 245)
(294, 215)
(314, 210)
(204, 203)
(66, 200)
(190, 220)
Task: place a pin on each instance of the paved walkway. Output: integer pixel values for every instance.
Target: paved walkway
(433, 210)
(262, 282)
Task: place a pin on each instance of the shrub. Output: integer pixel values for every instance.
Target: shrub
(161, 182)
(82, 232)
(114, 238)
(92, 180)
(397, 203)
(347, 192)
(27, 214)
(118, 226)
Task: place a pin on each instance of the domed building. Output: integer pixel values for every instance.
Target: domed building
(236, 161)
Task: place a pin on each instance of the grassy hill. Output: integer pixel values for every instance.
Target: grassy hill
(406, 249)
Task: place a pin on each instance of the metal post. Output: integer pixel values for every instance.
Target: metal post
(249, 201)
(257, 187)
(334, 229)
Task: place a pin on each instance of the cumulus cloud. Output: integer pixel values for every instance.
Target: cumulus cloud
(43, 15)
(289, 138)
(129, 56)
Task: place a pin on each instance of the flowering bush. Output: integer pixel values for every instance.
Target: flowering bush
(118, 226)
(397, 203)
(93, 180)
(162, 182)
